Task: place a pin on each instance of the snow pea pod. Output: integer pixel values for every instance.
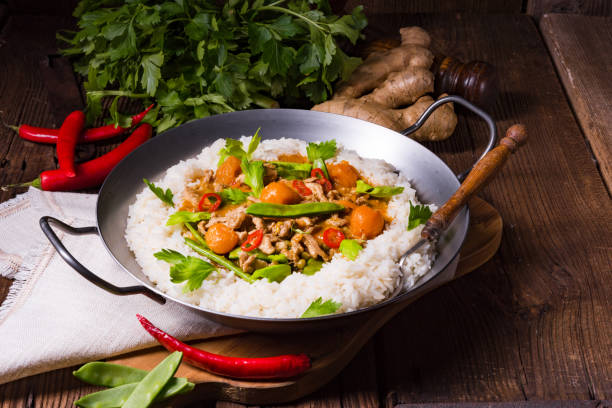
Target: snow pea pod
(221, 260)
(273, 273)
(292, 210)
(235, 254)
(292, 171)
(116, 397)
(151, 385)
(114, 375)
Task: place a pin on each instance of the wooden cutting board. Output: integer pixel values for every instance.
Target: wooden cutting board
(330, 350)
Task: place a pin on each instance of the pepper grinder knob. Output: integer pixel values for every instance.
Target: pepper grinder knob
(475, 81)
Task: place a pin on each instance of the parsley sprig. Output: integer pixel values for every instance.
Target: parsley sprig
(320, 308)
(186, 268)
(419, 214)
(165, 196)
(201, 58)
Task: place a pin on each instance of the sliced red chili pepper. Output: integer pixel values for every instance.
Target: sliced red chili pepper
(277, 367)
(301, 188)
(321, 179)
(332, 237)
(206, 204)
(253, 241)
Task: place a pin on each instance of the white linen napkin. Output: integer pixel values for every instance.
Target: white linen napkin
(53, 318)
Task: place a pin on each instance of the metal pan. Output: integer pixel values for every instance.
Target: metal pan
(430, 176)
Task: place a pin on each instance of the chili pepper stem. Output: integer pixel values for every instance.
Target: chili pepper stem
(12, 127)
(34, 183)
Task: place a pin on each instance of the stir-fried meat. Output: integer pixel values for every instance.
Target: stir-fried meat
(294, 252)
(313, 247)
(239, 180)
(245, 261)
(336, 221)
(333, 195)
(270, 173)
(362, 200)
(258, 222)
(189, 200)
(202, 227)
(317, 191)
(304, 222)
(282, 229)
(233, 218)
(281, 246)
(266, 245)
(242, 235)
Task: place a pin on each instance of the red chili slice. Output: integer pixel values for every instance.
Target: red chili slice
(321, 179)
(207, 205)
(301, 188)
(253, 241)
(332, 237)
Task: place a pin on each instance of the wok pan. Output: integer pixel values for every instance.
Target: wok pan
(431, 177)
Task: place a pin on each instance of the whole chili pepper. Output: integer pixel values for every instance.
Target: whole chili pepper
(277, 367)
(206, 204)
(253, 241)
(50, 136)
(67, 140)
(91, 173)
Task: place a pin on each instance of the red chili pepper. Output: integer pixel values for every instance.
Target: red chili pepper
(321, 179)
(253, 241)
(277, 367)
(206, 205)
(92, 173)
(50, 136)
(67, 140)
(301, 188)
(332, 237)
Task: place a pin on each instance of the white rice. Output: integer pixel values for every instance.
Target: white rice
(355, 284)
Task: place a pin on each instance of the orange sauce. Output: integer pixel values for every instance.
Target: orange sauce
(293, 158)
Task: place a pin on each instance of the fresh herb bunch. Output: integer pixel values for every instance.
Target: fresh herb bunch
(196, 58)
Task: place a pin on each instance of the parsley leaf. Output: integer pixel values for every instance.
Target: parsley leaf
(320, 308)
(253, 175)
(165, 196)
(419, 214)
(324, 150)
(350, 248)
(273, 273)
(379, 191)
(234, 147)
(233, 196)
(186, 268)
(183, 217)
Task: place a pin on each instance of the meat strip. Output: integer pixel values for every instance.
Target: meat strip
(313, 247)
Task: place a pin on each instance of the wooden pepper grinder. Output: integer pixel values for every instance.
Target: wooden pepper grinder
(475, 81)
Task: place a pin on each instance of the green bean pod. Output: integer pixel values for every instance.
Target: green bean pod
(281, 258)
(116, 397)
(218, 259)
(292, 210)
(292, 171)
(151, 385)
(274, 273)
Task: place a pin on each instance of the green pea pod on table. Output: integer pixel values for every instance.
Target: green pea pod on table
(151, 385)
(117, 396)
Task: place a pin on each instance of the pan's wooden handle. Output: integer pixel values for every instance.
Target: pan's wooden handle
(480, 175)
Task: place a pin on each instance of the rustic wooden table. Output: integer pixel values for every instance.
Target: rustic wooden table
(533, 324)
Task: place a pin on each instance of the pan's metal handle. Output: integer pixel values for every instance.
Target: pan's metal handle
(84, 272)
(457, 99)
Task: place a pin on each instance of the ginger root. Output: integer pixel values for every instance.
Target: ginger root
(396, 78)
(439, 126)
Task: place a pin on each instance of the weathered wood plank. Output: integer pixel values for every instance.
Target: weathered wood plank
(416, 6)
(517, 404)
(534, 322)
(581, 48)
(537, 8)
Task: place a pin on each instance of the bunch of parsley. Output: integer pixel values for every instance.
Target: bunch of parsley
(195, 58)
